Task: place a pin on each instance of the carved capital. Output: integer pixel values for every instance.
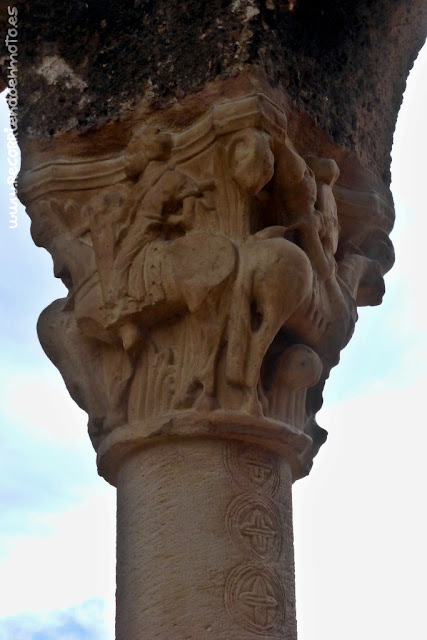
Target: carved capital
(213, 274)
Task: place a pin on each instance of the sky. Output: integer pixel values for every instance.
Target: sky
(359, 519)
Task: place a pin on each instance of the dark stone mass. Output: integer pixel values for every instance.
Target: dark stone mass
(344, 63)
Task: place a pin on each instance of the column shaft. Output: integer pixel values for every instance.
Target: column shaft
(204, 543)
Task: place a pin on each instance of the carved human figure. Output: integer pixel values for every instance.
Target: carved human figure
(352, 276)
(163, 266)
(156, 207)
(236, 252)
(326, 319)
(286, 272)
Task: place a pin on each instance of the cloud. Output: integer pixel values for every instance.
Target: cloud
(42, 408)
(57, 516)
(360, 525)
(88, 621)
(67, 558)
(57, 530)
(46, 459)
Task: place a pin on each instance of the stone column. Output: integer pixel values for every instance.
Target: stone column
(206, 307)
(215, 561)
(212, 184)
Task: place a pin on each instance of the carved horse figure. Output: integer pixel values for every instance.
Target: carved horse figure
(288, 277)
(146, 262)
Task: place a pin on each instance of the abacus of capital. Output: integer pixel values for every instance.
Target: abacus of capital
(215, 248)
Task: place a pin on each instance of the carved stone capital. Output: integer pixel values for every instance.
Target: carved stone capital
(213, 272)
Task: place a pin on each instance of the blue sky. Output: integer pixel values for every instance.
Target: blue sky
(57, 517)
(360, 525)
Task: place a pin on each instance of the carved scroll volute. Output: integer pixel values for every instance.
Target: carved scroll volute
(209, 283)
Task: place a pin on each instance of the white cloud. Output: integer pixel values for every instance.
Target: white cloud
(73, 561)
(87, 621)
(43, 408)
(360, 525)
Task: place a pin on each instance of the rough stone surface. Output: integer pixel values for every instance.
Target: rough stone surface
(345, 64)
(211, 180)
(204, 544)
(213, 277)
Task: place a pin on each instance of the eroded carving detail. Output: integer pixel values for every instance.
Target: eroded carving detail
(254, 596)
(252, 468)
(253, 592)
(209, 272)
(253, 522)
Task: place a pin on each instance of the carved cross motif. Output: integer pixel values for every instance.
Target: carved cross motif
(258, 470)
(259, 529)
(255, 597)
(258, 599)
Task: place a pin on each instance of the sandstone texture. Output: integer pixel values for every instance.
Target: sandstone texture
(213, 275)
(211, 180)
(345, 64)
